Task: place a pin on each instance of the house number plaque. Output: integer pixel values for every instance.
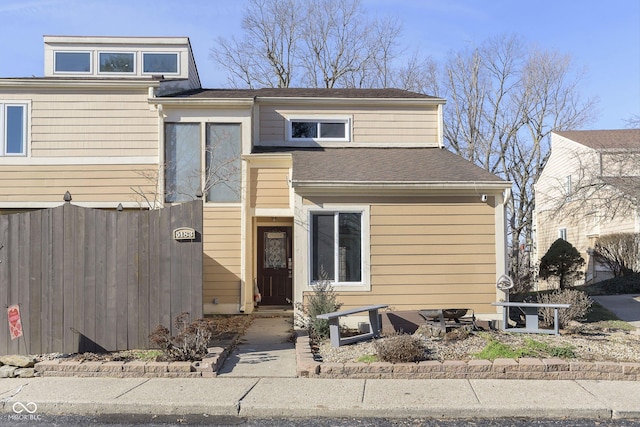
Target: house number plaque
(184, 233)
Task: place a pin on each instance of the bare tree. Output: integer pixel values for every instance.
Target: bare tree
(267, 54)
(316, 43)
(504, 101)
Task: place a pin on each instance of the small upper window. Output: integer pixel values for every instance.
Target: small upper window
(117, 62)
(160, 63)
(562, 233)
(72, 62)
(13, 122)
(318, 130)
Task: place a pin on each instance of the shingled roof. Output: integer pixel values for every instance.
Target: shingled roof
(386, 165)
(605, 139)
(303, 93)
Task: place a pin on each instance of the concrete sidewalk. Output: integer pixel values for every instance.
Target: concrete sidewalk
(625, 306)
(300, 397)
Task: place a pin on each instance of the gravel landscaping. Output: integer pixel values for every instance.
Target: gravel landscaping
(588, 342)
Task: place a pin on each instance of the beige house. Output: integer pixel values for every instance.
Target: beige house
(588, 188)
(352, 185)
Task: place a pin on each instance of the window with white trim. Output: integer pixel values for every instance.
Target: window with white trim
(336, 243)
(13, 123)
(116, 62)
(72, 62)
(313, 129)
(162, 63)
(562, 233)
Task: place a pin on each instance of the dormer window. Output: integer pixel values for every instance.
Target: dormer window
(312, 129)
(117, 62)
(160, 63)
(72, 62)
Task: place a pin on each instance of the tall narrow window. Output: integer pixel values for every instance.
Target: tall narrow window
(15, 118)
(222, 179)
(182, 161)
(336, 247)
(562, 233)
(567, 187)
(13, 125)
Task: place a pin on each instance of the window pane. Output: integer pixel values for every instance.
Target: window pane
(160, 63)
(349, 247)
(116, 63)
(79, 62)
(332, 130)
(304, 129)
(223, 177)
(182, 161)
(15, 129)
(322, 247)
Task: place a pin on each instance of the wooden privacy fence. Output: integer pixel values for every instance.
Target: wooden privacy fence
(97, 280)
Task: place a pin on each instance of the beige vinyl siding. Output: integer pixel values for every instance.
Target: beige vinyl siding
(438, 253)
(369, 124)
(86, 183)
(70, 123)
(222, 254)
(269, 188)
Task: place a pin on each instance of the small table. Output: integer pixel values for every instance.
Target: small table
(334, 324)
(531, 317)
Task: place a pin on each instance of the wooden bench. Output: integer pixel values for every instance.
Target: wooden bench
(334, 324)
(531, 317)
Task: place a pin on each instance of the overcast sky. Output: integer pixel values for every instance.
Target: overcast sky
(603, 37)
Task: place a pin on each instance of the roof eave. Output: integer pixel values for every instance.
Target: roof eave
(354, 101)
(489, 186)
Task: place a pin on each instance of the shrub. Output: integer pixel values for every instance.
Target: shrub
(563, 261)
(400, 348)
(580, 306)
(620, 252)
(323, 300)
(191, 342)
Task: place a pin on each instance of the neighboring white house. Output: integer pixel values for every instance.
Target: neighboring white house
(588, 188)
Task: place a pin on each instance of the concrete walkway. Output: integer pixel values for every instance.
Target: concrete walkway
(304, 397)
(626, 306)
(266, 350)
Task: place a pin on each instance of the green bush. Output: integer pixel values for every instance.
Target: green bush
(323, 300)
(190, 344)
(401, 348)
(563, 261)
(580, 306)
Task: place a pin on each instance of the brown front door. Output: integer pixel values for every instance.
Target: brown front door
(275, 265)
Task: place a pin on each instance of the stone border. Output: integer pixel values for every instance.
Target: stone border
(516, 369)
(206, 368)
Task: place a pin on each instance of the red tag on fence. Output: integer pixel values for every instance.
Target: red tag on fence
(15, 325)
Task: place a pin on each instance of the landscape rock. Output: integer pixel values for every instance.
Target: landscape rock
(18, 360)
(7, 371)
(25, 372)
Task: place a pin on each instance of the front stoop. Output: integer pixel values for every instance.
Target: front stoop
(521, 369)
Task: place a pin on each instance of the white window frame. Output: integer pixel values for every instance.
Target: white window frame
(364, 284)
(562, 233)
(148, 73)
(55, 62)
(318, 119)
(26, 117)
(123, 73)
